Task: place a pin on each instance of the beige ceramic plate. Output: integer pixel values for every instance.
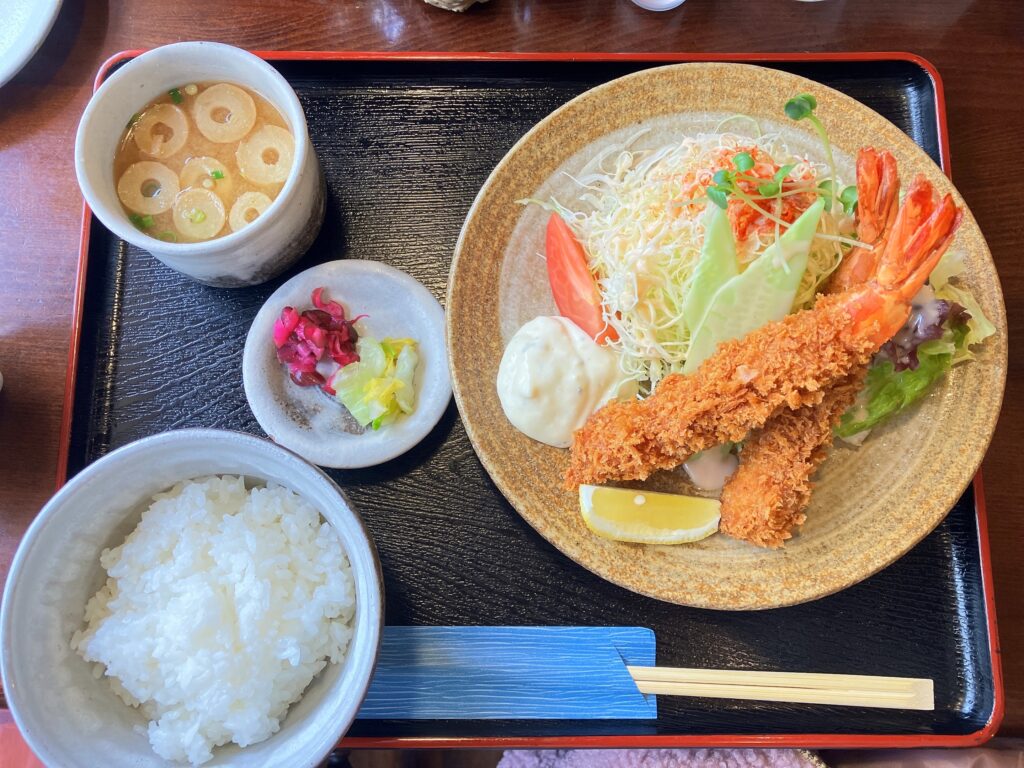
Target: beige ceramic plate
(870, 506)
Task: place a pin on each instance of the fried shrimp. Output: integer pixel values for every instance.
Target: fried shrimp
(766, 497)
(784, 365)
(878, 199)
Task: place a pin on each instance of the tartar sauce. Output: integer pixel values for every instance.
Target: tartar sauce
(708, 470)
(553, 376)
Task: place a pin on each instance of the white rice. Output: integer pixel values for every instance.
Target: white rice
(218, 611)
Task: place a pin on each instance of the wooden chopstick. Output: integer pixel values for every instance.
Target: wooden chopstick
(795, 687)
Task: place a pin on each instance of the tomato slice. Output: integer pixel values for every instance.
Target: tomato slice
(574, 288)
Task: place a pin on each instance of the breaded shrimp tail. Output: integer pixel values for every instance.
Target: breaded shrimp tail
(765, 498)
(783, 365)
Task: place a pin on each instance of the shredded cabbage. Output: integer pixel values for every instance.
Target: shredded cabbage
(644, 240)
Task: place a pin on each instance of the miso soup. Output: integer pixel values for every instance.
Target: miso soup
(202, 161)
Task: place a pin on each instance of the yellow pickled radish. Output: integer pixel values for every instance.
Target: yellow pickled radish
(247, 208)
(266, 156)
(198, 214)
(645, 517)
(224, 113)
(161, 131)
(148, 187)
(208, 173)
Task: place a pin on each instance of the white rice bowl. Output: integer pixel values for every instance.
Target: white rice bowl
(218, 611)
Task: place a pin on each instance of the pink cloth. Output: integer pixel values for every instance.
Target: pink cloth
(656, 758)
(998, 753)
(14, 752)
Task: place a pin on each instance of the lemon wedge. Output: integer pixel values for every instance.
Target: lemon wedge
(643, 517)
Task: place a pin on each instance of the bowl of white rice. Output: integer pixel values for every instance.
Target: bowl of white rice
(199, 597)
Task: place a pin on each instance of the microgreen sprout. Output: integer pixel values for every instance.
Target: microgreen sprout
(848, 198)
(719, 196)
(743, 161)
(802, 108)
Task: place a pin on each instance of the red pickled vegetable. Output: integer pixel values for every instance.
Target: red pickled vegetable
(285, 325)
(306, 339)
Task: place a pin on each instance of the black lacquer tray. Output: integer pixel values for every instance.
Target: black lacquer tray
(405, 141)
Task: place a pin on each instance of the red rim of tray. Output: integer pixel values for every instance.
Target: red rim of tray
(810, 740)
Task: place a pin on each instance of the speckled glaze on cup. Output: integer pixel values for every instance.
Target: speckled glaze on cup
(74, 720)
(260, 251)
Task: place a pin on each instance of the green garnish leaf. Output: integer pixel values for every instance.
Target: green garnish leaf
(142, 222)
(196, 216)
(743, 161)
(888, 391)
(848, 197)
(801, 106)
(176, 96)
(768, 189)
(718, 196)
(783, 172)
(215, 174)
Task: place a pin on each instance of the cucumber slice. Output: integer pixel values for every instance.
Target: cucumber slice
(716, 267)
(761, 294)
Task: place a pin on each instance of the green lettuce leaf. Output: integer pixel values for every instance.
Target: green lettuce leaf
(888, 391)
(979, 327)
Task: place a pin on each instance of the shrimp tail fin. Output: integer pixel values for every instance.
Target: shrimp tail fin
(924, 228)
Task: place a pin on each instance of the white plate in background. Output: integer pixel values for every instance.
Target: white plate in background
(24, 24)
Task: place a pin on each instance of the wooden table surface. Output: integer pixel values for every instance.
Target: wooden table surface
(977, 45)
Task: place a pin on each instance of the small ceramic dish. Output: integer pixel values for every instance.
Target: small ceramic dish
(310, 422)
(252, 255)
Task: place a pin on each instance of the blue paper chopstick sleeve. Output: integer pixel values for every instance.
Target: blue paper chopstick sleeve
(510, 673)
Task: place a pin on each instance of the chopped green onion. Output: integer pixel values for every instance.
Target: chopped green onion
(718, 196)
(176, 96)
(376, 422)
(743, 161)
(133, 120)
(848, 198)
(196, 216)
(142, 222)
(215, 174)
(170, 237)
